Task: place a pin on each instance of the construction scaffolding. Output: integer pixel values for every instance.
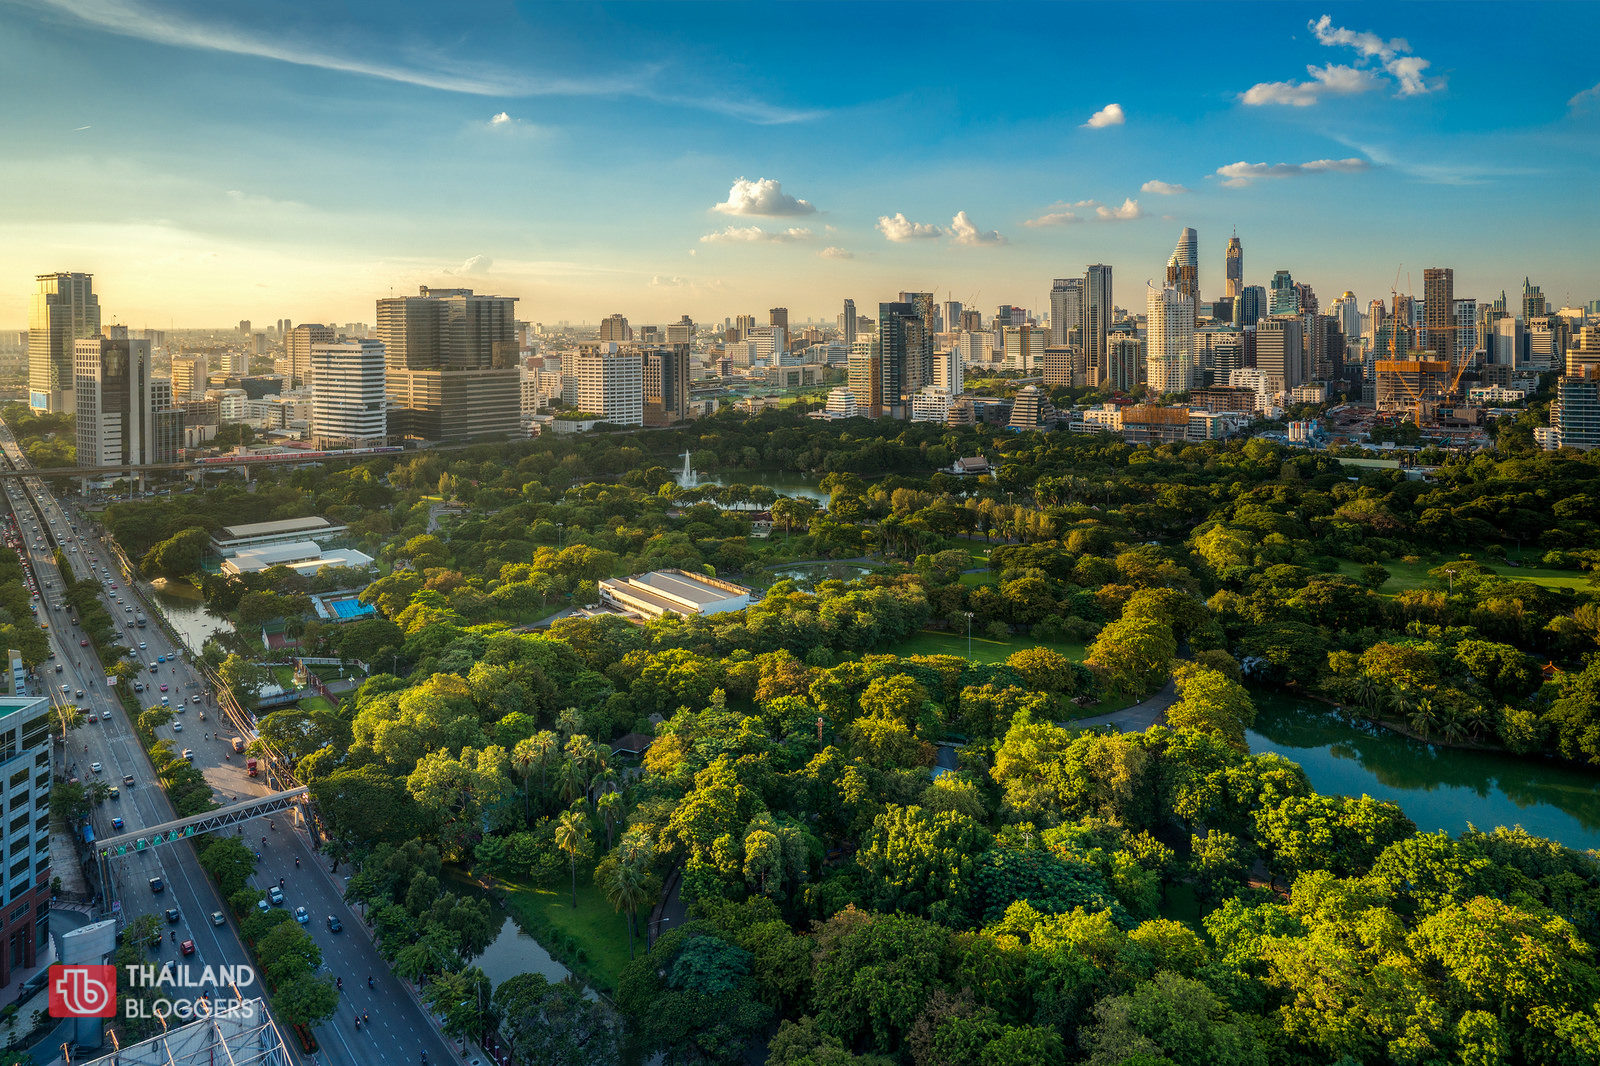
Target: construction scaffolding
(245, 1036)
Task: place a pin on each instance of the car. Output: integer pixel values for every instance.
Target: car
(96, 767)
(195, 700)
(157, 886)
(80, 693)
(65, 689)
(275, 895)
(161, 658)
(171, 914)
(116, 793)
(218, 918)
(163, 688)
(94, 718)
(117, 823)
(83, 643)
(177, 727)
(127, 779)
(188, 753)
(138, 686)
(301, 916)
(261, 905)
(141, 645)
(334, 925)
(187, 947)
(165, 702)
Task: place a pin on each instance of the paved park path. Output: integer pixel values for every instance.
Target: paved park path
(1135, 719)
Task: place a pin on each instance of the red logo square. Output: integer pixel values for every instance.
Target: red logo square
(83, 991)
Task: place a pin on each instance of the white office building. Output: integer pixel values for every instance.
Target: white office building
(931, 405)
(1169, 340)
(348, 404)
(611, 385)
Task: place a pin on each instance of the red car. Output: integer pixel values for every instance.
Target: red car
(187, 947)
(83, 643)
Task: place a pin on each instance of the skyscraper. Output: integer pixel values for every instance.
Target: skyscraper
(779, 316)
(1234, 267)
(1097, 310)
(122, 417)
(1348, 311)
(1066, 310)
(615, 329)
(1183, 269)
(611, 385)
(1280, 353)
(866, 376)
(848, 326)
(1533, 304)
(1285, 297)
(927, 310)
(1251, 306)
(349, 401)
(63, 310)
(297, 350)
(1169, 339)
(952, 316)
(1466, 332)
(25, 761)
(906, 355)
(1439, 311)
(666, 385)
(188, 377)
(451, 358)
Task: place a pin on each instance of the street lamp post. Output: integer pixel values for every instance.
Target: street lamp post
(969, 635)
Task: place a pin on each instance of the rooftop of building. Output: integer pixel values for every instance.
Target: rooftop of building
(267, 529)
(695, 588)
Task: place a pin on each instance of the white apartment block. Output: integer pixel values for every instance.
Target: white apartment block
(611, 386)
(348, 402)
(931, 405)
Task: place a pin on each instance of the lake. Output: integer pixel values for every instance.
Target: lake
(810, 573)
(1438, 788)
(787, 482)
(186, 610)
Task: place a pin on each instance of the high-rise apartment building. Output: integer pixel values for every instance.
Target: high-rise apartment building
(1439, 311)
(1348, 311)
(779, 316)
(64, 309)
(188, 377)
(1575, 413)
(1465, 336)
(744, 324)
(1233, 267)
(906, 355)
(349, 402)
(1024, 347)
(1285, 297)
(865, 379)
(1280, 353)
(681, 333)
(124, 415)
(926, 308)
(1097, 312)
(1169, 339)
(1125, 362)
(666, 385)
(297, 350)
(1533, 305)
(1183, 268)
(611, 384)
(25, 765)
(948, 375)
(1066, 310)
(847, 323)
(614, 329)
(1251, 306)
(451, 364)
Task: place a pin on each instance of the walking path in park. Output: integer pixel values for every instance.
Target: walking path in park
(1135, 719)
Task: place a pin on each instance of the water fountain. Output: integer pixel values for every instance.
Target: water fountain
(687, 478)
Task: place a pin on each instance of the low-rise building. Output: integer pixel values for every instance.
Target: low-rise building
(230, 539)
(663, 592)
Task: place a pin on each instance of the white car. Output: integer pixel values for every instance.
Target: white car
(96, 767)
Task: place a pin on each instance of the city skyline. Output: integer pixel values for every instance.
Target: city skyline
(330, 164)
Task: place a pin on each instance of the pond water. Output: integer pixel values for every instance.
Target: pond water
(514, 952)
(786, 482)
(1438, 788)
(811, 573)
(186, 609)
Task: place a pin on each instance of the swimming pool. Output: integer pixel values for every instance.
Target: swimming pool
(350, 608)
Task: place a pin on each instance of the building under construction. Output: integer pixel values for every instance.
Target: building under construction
(1413, 386)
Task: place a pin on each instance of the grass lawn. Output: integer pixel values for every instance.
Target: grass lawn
(283, 675)
(316, 703)
(1115, 701)
(972, 581)
(1405, 576)
(599, 930)
(984, 649)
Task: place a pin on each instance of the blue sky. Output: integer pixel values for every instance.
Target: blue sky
(217, 161)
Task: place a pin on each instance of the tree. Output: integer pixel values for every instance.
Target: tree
(572, 837)
(609, 807)
(1133, 655)
(921, 862)
(179, 555)
(1211, 703)
(462, 999)
(555, 1024)
(306, 1000)
(1170, 1019)
(624, 876)
(230, 862)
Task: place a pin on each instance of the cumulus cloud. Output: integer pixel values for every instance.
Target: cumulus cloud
(1586, 100)
(1110, 115)
(835, 252)
(501, 119)
(764, 197)
(1128, 210)
(1239, 174)
(478, 264)
(756, 235)
(899, 228)
(1163, 188)
(1053, 218)
(964, 231)
(1392, 56)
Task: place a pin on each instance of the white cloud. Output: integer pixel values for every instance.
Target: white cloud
(1239, 174)
(756, 235)
(478, 264)
(1110, 115)
(899, 228)
(964, 231)
(835, 252)
(1054, 218)
(1585, 100)
(501, 119)
(1163, 188)
(663, 281)
(145, 21)
(764, 197)
(1376, 54)
(1129, 210)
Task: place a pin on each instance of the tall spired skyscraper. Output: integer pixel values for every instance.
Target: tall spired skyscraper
(1234, 267)
(1183, 269)
(64, 310)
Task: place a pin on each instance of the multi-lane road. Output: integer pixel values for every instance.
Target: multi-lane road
(397, 1030)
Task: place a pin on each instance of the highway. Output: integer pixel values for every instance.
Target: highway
(399, 1031)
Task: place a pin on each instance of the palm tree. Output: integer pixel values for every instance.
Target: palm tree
(1424, 717)
(627, 885)
(609, 807)
(70, 717)
(542, 748)
(572, 834)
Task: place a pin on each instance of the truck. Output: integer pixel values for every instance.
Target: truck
(139, 621)
(238, 745)
(251, 767)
